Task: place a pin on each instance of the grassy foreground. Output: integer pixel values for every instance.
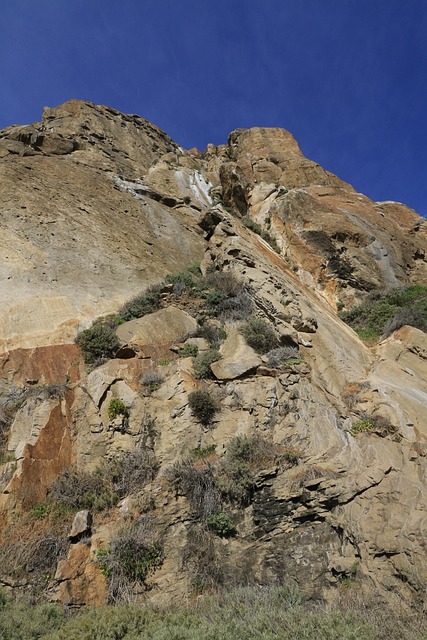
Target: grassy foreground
(244, 614)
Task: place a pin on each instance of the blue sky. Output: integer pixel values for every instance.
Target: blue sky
(348, 78)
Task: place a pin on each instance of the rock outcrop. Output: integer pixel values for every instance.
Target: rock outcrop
(97, 205)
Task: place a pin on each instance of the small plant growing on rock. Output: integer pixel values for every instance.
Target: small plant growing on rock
(131, 557)
(221, 524)
(152, 380)
(374, 424)
(98, 343)
(244, 458)
(227, 298)
(82, 490)
(257, 228)
(117, 408)
(189, 351)
(352, 393)
(259, 334)
(182, 283)
(202, 363)
(40, 511)
(101, 489)
(362, 426)
(204, 452)
(202, 560)
(203, 406)
(283, 355)
(309, 473)
(383, 313)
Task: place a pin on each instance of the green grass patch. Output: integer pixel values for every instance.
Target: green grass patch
(250, 613)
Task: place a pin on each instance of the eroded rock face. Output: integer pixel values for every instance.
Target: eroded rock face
(73, 252)
(96, 205)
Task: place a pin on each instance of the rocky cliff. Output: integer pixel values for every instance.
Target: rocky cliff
(304, 460)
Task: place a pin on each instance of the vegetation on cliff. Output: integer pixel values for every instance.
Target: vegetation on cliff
(381, 314)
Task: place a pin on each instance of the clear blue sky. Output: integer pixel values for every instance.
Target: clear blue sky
(347, 77)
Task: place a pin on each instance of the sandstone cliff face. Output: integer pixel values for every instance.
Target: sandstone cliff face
(96, 205)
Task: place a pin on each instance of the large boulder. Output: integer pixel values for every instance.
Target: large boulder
(156, 331)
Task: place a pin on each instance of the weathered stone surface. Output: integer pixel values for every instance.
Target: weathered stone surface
(82, 523)
(136, 207)
(237, 357)
(157, 330)
(80, 579)
(71, 254)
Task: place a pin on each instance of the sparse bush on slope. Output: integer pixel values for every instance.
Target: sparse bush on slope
(259, 334)
(382, 314)
(98, 343)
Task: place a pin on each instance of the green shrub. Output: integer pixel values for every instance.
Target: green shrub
(133, 554)
(236, 481)
(182, 283)
(185, 278)
(203, 406)
(82, 490)
(140, 305)
(98, 343)
(246, 613)
(204, 452)
(381, 314)
(239, 307)
(40, 511)
(117, 408)
(292, 361)
(227, 298)
(224, 282)
(221, 524)
(189, 351)
(195, 269)
(259, 334)
(202, 363)
(374, 424)
(362, 425)
(21, 621)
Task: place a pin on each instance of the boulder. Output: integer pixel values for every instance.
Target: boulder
(237, 357)
(157, 330)
(82, 523)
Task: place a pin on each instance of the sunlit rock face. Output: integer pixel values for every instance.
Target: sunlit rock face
(96, 206)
